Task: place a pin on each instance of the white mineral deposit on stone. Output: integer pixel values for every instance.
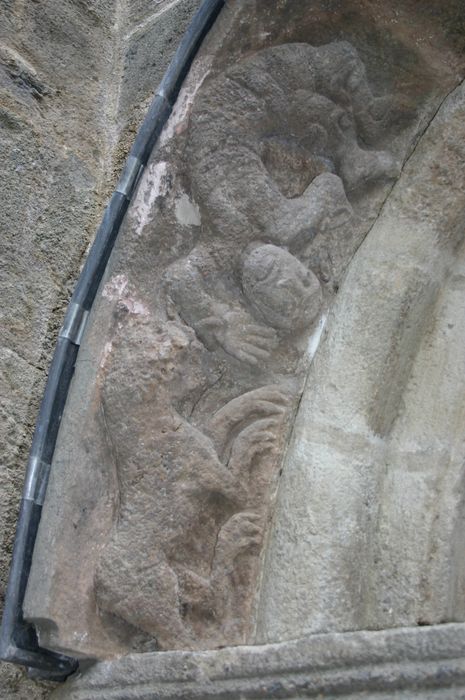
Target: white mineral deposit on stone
(315, 338)
(107, 348)
(181, 110)
(135, 306)
(187, 212)
(153, 184)
(115, 287)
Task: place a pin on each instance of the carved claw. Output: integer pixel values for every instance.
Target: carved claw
(268, 401)
(255, 440)
(240, 533)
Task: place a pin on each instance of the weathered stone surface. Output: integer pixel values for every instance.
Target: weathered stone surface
(51, 168)
(376, 459)
(406, 663)
(146, 47)
(62, 135)
(283, 148)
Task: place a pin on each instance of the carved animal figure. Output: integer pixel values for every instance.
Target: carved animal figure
(274, 156)
(182, 521)
(276, 165)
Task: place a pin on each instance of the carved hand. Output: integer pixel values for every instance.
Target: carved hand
(239, 336)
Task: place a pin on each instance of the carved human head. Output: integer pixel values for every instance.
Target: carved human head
(281, 291)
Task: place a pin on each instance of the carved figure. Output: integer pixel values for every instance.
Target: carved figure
(184, 496)
(277, 170)
(290, 143)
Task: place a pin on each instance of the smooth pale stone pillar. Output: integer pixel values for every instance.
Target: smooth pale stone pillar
(370, 509)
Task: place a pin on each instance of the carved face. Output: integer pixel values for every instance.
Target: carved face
(281, 290)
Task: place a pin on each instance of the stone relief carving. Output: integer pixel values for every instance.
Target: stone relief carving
(189, 500)
(288, 140)
(255, 201)
(275, 159)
